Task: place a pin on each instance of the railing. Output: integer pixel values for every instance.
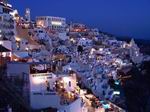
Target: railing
(45, 93)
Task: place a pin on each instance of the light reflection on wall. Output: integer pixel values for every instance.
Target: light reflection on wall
(37, 80)
(56, 23)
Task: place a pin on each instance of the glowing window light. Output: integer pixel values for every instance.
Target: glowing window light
(83, 38)
(70, 68)
(40, 23)
(100, 49)
(27, 48)
(4, 54)
(72, 40)
(56, 23)
(92, 51)
(90, 56)
(66, 79)
(18, 39)
(15, 59)
(1, 42)
(116, 92)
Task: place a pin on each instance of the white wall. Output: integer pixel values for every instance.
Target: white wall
(72, 81)
(6, 44)
(44, 101)
(38, 82)
(73, 107)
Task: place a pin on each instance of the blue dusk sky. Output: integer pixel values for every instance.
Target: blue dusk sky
(120, 17)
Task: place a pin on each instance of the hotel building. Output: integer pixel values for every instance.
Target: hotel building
(52, 23)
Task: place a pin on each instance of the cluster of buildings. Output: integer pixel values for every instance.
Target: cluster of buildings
(48, 59)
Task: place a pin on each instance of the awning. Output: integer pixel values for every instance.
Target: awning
(21, 54)
(4, 49)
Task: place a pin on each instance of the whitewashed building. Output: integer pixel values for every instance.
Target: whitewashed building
(53, 23)
(6, 22)
(40, 89)
(135, 54)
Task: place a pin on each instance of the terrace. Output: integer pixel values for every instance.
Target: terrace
(41, 67)
(67, 89)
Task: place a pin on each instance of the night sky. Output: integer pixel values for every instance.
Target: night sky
(119, 17)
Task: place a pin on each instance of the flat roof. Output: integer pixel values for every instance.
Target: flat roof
(50, 17)
(17, 62)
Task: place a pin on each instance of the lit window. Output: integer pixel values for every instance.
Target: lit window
(56, 23)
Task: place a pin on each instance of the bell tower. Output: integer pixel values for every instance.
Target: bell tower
(27, 15)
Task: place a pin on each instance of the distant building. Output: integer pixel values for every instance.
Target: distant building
(77, 27)
(135, 54)
(52, 23)
(85, 42)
